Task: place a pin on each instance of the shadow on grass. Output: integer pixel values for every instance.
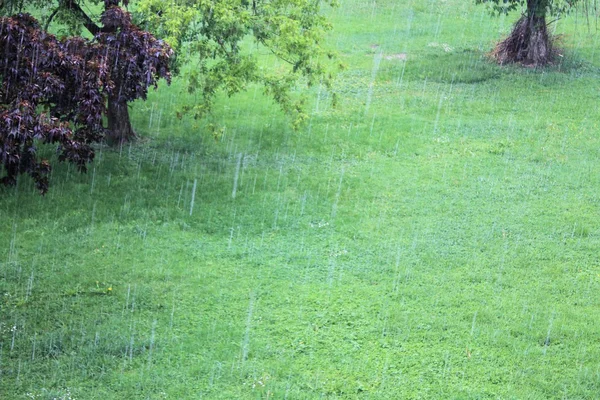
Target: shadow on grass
(470, 66)
(436, 65)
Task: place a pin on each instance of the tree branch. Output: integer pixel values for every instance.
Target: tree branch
(50, 18)
(276, 53)
(89, 24)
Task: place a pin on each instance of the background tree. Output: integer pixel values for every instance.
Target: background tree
(529, 42)
(57, 91)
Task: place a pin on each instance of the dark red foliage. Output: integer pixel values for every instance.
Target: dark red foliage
(137, 58)
(55, 91)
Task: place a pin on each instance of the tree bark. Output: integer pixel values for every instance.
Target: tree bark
(119, 124)
(529, 42)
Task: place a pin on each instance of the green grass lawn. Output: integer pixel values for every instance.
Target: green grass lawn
(436, 236)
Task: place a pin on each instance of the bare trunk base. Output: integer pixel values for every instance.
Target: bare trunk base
(119, 124)
(528, 44)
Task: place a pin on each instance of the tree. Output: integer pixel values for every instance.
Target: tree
(212, 36)
(127, 45)
(57, 91)
(221, 39)
(529, 42)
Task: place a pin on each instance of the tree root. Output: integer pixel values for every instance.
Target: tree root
(528, 44)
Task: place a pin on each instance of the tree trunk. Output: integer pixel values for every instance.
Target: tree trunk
(528, 43)
(119, 124)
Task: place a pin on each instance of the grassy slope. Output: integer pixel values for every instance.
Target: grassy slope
(434, 237)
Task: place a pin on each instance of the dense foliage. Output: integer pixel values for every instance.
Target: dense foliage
(541, 7)
(220, 39)
(57, 91)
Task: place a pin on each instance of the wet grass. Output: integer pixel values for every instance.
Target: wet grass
(434, 237)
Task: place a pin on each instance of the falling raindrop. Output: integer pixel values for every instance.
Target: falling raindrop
(14, 336)
(473, 323)
(246, 341)
(131, 343)
(237, 174)
(337, 195)
(547, 340)
(376, 63)
(193, 196)
(231, 231)
(93, 180)
(152, 338)
(29, 286)
(33, 346)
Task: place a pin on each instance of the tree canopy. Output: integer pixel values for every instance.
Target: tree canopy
(220, 38)
(541, 7)
(57, 91)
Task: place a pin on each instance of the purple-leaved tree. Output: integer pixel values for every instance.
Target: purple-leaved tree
(59, 91)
